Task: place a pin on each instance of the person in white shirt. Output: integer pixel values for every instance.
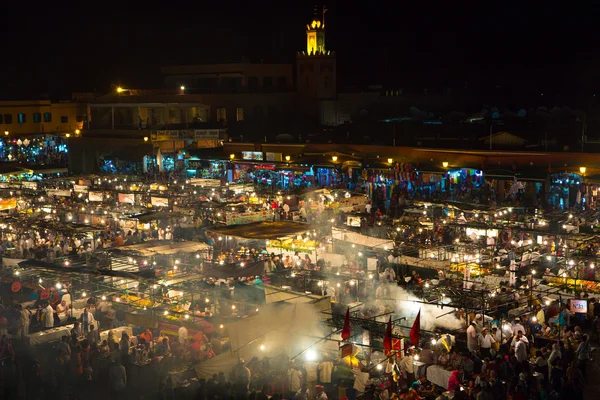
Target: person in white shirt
(389, 274)
(182, 335)
(519, 337)
(517, 326)
(62, 310)
(485, 343)
(521, 354)
(472, 343)
(295, 378)
(361, 379)
(406, 364)
(325, 368)
(48, 316)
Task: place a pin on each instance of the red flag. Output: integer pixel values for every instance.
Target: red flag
(346, 329)
(415, 331)
(387, 338)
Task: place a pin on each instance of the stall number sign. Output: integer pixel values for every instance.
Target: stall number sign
(347, 350)
(578, 306)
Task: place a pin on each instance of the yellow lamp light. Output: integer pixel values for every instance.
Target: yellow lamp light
(68, 135)
(182, 88)
(145, 138)
(77, 131)
(445, 164)
(119, 89)
(5, 133)
(390, 160)
(287, 158)
(582, 169)
(232, 156)
(334, 158)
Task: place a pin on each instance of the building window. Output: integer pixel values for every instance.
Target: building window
(37, 118)
(222, 114)
(8, 118)
(239, 114)
(252, 83)
(22, 118)
(64, 119)
(282, 83)
(267, 82)
(47, 117)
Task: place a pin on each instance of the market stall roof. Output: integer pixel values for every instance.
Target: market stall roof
(263, 230)
(164, 247)
(153, 216)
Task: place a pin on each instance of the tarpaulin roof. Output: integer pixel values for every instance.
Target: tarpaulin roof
(233, 270)
(164, 247)
(263, 230)
(154, 216)
(83, 270)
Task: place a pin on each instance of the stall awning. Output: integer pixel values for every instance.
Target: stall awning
(163, 247)
(154, 216)
(263, 230)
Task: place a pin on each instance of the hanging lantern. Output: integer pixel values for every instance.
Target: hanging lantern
(19, 143)
(26, 142)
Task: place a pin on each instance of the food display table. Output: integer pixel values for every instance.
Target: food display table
(438, 376)
(48, 335)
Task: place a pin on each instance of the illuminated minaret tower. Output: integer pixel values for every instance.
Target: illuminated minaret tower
(315, 66)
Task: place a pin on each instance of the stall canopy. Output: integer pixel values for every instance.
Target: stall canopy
(58, 268)
(233, 270)
(363, 240)
(154, 216)
(163, 247)
(263, 230)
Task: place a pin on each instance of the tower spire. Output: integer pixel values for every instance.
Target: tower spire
(323, 15)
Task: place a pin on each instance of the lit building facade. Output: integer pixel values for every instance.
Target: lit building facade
(41, 116)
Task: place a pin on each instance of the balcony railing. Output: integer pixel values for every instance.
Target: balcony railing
(153, 127)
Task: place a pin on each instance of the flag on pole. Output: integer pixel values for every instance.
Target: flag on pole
(387, 338)
(415, 331)
(346, 329)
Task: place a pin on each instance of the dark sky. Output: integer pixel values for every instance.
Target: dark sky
(91, 45)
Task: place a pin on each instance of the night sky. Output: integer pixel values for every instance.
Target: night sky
(91, 45)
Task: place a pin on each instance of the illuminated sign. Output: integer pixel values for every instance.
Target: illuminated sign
(578, 306)
(252, 155)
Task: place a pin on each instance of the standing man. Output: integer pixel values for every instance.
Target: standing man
(521, 355)
(182, 335)
(472, 342)
(485, 343)
(24, 320)
(48, 316)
